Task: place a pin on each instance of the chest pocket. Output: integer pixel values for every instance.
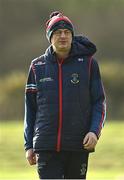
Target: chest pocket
(47, 92)
(46, 79)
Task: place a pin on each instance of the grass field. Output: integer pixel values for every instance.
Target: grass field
(106, 163)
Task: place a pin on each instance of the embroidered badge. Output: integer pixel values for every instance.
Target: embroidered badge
(46, 79)
(80, 59)
(83, 169)
(40, 63)
(75, 78)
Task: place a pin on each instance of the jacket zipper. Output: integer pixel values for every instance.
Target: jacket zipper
(58, 147)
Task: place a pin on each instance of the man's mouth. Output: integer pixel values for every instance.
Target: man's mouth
(63, 42)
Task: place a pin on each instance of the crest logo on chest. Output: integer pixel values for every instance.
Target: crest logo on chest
(75, 78)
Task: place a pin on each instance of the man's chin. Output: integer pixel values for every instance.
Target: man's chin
(64, 47)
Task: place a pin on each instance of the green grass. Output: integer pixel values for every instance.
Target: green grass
(106, 163)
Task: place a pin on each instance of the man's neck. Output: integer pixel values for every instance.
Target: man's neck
(62, 55)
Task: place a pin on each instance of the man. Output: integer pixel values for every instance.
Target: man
(65, 104)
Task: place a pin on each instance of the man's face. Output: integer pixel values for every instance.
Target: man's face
(61, 40)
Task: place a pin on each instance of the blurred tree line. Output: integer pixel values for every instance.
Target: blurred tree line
(22, 38)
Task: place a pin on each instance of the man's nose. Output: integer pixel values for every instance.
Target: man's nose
(63, 34)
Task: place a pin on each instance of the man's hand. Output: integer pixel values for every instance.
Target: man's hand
(31, 156)
(90, 141)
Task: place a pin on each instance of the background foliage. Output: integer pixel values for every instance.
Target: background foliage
(22, 38)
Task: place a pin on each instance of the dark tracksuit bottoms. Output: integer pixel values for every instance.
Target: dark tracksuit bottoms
(62, 165)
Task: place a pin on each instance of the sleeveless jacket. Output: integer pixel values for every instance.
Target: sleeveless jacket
(64, 101)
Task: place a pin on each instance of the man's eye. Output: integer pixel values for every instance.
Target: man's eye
(67, 32)
(57, 32)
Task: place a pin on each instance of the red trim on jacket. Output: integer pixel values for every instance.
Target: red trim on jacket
(101, 121)
(58, 147)
(31, 90)
(103, 112)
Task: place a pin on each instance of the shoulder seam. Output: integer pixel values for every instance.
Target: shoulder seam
(40, 58)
